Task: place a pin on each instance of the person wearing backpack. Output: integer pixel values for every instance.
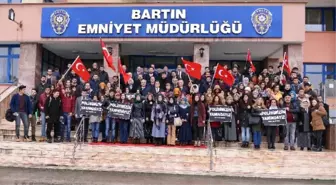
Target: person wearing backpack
(22, 109)
(54, 113)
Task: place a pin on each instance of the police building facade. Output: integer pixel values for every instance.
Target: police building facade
(53, 35)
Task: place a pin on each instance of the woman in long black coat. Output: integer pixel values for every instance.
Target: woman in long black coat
(148, 122)
(304, 128)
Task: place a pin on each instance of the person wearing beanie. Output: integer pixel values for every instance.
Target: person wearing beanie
(172, 114)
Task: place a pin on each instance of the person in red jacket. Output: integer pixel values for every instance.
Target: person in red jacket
(41, 102)
(68, 106)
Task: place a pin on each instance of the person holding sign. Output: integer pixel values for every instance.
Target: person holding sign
(257, 106)
(230, 131)
(271, 130)
(94, 121)
(215, 125)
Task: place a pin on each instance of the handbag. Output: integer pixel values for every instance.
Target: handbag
(177, 121)
(325, 120)
(254, 120)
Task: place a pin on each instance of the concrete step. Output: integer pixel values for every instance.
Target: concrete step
(194, 161)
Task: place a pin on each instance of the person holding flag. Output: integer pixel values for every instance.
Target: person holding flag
(223, 74)
(107, 56)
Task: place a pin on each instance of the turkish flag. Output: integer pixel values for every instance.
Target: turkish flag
(225, 75)
(285, 64)
(192, 69)
(249, 59)
(79, 68)
(123, 72)
(107, 55)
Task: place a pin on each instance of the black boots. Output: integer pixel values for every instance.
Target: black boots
(245, 144)
(33, 138)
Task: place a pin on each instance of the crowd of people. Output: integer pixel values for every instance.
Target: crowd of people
(159, 96)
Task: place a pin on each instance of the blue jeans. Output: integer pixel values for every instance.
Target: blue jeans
(66, 127)
(95, 130)
(245, 134)
(257, 138)
(290, 134)
(123, 126)
(24, 117)
(110, 123)
(43, 125)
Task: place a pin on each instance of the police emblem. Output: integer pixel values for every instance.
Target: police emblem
(262, 20)
(59, 20)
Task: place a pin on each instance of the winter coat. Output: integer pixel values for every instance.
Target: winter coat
(42, 99)
(148, 109)
(68, 103)
(53, 109)
(305, 119)
(173, 112)
(103, 76)
(201, 114)
(34, 102)
(138, 111)
(244, 112)
(15, 103)
(317, 122)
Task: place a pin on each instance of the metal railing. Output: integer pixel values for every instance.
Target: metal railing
(209, 139)
(79, 139)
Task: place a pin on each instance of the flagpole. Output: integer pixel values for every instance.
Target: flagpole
(213, 77)
(283, 64)
(67, 71)
(119, 61)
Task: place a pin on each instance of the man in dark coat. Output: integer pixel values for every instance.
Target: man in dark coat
(54, 113)
(42, 86)
(32, 120)
(103, 76)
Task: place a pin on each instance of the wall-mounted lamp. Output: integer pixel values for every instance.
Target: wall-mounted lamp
(11, 17)
(201, 50)
(110, 50)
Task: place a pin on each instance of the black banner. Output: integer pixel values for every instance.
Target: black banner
(120, 110)
(220, 113)
(91, 107)
(273, 117)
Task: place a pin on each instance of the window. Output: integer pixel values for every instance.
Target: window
(318, 73)
(320, 19)
(9, 63)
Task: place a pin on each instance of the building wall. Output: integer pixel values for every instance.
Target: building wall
(30, 15)
(320, 47)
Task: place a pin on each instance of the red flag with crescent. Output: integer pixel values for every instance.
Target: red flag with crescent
(249, 59)
(225, 75)
(79, 68)
(192, 69)
(107, 56)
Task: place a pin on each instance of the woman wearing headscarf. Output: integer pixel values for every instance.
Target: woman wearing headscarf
(197, 119)
(172, 113)
(304, 127)
(158, 116)
(185, 135)
(137, 120)
(148, 126)
(230, 130)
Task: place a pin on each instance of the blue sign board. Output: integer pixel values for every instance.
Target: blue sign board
(167, 21)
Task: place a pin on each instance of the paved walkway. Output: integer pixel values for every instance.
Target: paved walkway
(13, 176)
